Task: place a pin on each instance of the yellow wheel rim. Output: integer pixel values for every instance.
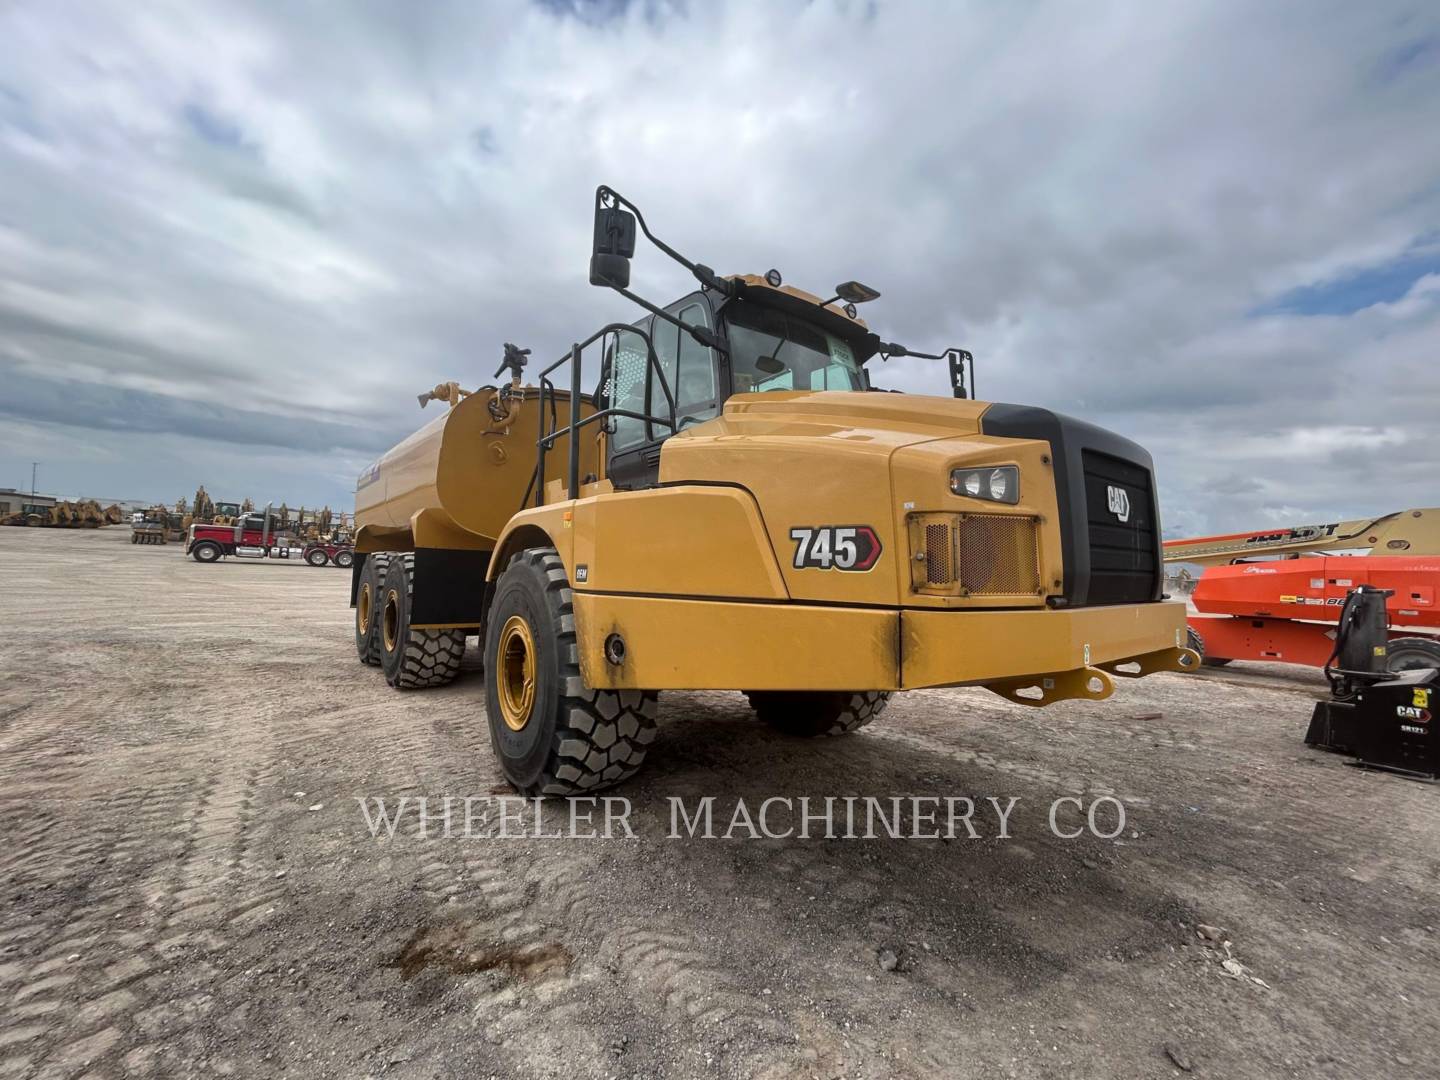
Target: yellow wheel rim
(362, 610)
(515, 673)
(391, 623)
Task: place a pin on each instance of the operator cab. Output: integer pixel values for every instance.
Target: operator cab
(678, 366)
(770, 340)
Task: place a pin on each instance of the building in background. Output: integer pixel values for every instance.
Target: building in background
(12, 501)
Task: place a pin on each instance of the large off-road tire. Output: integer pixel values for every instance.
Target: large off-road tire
(551, 733)
(206, 552)
(807, 713)
(367, 608)
(317, 557)
(1410, 653)
(413, 659)
(1194, 641)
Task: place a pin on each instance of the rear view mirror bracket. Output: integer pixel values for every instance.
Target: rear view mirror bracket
(616, 222)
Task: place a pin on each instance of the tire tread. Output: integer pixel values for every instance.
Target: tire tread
(601, 736)
(818, 713)
(429, 657)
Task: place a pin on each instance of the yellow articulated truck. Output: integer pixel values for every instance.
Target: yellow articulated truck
(731, 505)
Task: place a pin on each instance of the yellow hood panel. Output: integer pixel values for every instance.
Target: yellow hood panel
(827, 459)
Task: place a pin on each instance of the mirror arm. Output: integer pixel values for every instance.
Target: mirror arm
(699, 333)
(958, 358)
(703, 274)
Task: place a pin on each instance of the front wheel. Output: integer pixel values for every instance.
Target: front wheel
(206, 552)
(1411, 653)
(1194, 641)
(552, 734)
(808, 713)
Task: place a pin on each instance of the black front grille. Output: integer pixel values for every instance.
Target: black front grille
(1107, 560)
(1120, 524)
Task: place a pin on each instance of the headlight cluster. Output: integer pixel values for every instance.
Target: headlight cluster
(997, 484)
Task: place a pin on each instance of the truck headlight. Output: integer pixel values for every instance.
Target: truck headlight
(996, 483)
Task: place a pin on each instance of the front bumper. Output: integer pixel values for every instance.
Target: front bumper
(672, 644)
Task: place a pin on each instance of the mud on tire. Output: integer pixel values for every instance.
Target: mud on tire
(558, 737)
(808, 713)
(412, 659)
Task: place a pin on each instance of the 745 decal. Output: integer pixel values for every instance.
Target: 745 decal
(835, 547)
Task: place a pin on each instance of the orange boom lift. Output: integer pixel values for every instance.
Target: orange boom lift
(1276, 595)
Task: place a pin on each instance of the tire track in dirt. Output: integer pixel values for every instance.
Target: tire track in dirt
(530, 896)
(155, 802)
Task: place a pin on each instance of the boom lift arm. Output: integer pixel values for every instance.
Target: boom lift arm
(1406, 532)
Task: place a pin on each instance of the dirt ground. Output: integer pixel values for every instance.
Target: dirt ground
(189, 886)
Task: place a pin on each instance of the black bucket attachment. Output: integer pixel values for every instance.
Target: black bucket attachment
(1387, 725)
(1382, 719)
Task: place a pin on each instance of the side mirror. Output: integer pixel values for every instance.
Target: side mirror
(852, 292)
(958, 358)
(614, 247)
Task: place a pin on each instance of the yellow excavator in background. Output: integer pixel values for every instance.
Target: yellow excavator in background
(85, 514)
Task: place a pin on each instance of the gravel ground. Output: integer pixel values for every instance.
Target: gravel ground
(189, 886)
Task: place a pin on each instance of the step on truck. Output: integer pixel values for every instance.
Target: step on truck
(716, 497)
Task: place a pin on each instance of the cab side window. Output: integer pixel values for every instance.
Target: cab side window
(667, 351)
(689, 370)
(695, 384)
(627, 388)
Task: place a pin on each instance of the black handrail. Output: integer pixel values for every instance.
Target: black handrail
(548, 438)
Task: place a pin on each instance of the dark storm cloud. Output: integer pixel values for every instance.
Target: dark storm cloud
(111, 408)
(1212, 228)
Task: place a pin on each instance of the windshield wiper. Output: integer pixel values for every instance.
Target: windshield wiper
(771, 364)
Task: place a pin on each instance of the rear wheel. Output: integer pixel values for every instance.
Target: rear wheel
(344, 558)
(316, 557)
(205, 551)
(552, 734)
(1410, 653)
(808, 713)
(367, 646)
(412, 659)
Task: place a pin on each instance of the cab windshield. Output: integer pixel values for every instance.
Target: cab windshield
(772, 350)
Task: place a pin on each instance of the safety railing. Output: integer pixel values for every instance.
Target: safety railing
(549, 437)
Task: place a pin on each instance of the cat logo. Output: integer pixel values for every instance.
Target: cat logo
(1118, 500)
(1413, 713)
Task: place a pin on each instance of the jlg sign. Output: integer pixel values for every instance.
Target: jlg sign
(835, 547)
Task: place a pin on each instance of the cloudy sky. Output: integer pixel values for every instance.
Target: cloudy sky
(236, 240)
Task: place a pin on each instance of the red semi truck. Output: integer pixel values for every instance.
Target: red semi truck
(257, 535)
